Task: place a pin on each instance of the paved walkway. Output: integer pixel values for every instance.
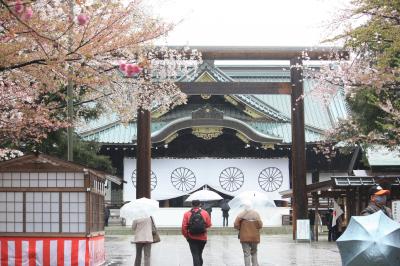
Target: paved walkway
(225, 250)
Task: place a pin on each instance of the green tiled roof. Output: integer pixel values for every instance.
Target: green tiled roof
(316, 114)
(284, 131)
(318, 117)
(381, 156)
(120, 134)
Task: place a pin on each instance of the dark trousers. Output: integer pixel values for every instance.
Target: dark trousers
(196, 248)
(332, 233)
(146, 247)
(224, 221)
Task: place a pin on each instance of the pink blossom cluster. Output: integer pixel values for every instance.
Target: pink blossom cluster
(82, 19)
(129, 69)
(25, 12)
(21, 116)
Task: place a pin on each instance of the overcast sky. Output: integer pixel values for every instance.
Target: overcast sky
(251, 22)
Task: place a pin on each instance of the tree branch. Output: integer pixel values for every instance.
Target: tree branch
(396, 19)
(37, 61)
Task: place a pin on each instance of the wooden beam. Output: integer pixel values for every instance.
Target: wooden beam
(300, 201)
(331, 194)
(321, 194)
(267, 52)
(42, 189)
(226, 88)
(143, 155)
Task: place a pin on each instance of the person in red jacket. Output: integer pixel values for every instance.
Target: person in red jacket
(196, 240)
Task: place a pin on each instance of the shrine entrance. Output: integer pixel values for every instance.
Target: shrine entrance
(294, 88)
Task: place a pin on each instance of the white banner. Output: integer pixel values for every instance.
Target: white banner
(303, 229)
(173, 178)
(396, 210)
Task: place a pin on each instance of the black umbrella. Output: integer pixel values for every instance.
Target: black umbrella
(224, 205)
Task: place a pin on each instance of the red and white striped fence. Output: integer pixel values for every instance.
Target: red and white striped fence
(61, 251)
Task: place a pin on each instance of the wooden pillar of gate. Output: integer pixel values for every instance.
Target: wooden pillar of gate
(143, 155)
(300, 201)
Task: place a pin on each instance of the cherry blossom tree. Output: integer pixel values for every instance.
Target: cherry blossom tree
(370, 78)
(48, 44)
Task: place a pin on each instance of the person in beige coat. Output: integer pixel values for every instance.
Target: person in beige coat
(143, 239)
(249, 223)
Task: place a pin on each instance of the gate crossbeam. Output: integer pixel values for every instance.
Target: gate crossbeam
(225, 88)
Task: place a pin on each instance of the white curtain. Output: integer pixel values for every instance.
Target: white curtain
(173, 178)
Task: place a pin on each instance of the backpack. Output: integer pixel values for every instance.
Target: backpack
(197, 225)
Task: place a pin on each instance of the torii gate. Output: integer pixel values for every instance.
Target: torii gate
(294, 88)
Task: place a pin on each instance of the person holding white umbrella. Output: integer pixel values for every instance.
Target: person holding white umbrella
(258, 200)
(249, 223)
(143, 239)
(141, 211)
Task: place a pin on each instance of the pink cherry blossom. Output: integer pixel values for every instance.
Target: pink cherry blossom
(27, 14)
(122, 67)
(133, 68)
(83, 19)
(18, 7)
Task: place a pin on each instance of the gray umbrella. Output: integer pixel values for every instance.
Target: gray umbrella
(224, 205)
(370, 240)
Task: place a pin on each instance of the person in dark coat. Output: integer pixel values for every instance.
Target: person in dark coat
(311, 217)
(331, 229)
(225, 217)
(225, 212)
(106, 215)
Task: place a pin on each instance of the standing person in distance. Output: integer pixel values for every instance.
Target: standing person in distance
(311, 217)
(106, 215)
(194, 228)
(143, 238)
(225, 217)
(249, 223)
(225, 212)
(331, 229)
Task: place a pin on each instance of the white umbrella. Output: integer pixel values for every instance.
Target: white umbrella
(254, 198)
(204, 195)
(370, 240)
(139, 208)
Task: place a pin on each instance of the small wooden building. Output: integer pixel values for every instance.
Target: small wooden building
(51, 210)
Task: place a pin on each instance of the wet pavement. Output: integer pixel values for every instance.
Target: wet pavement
(225, 250)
